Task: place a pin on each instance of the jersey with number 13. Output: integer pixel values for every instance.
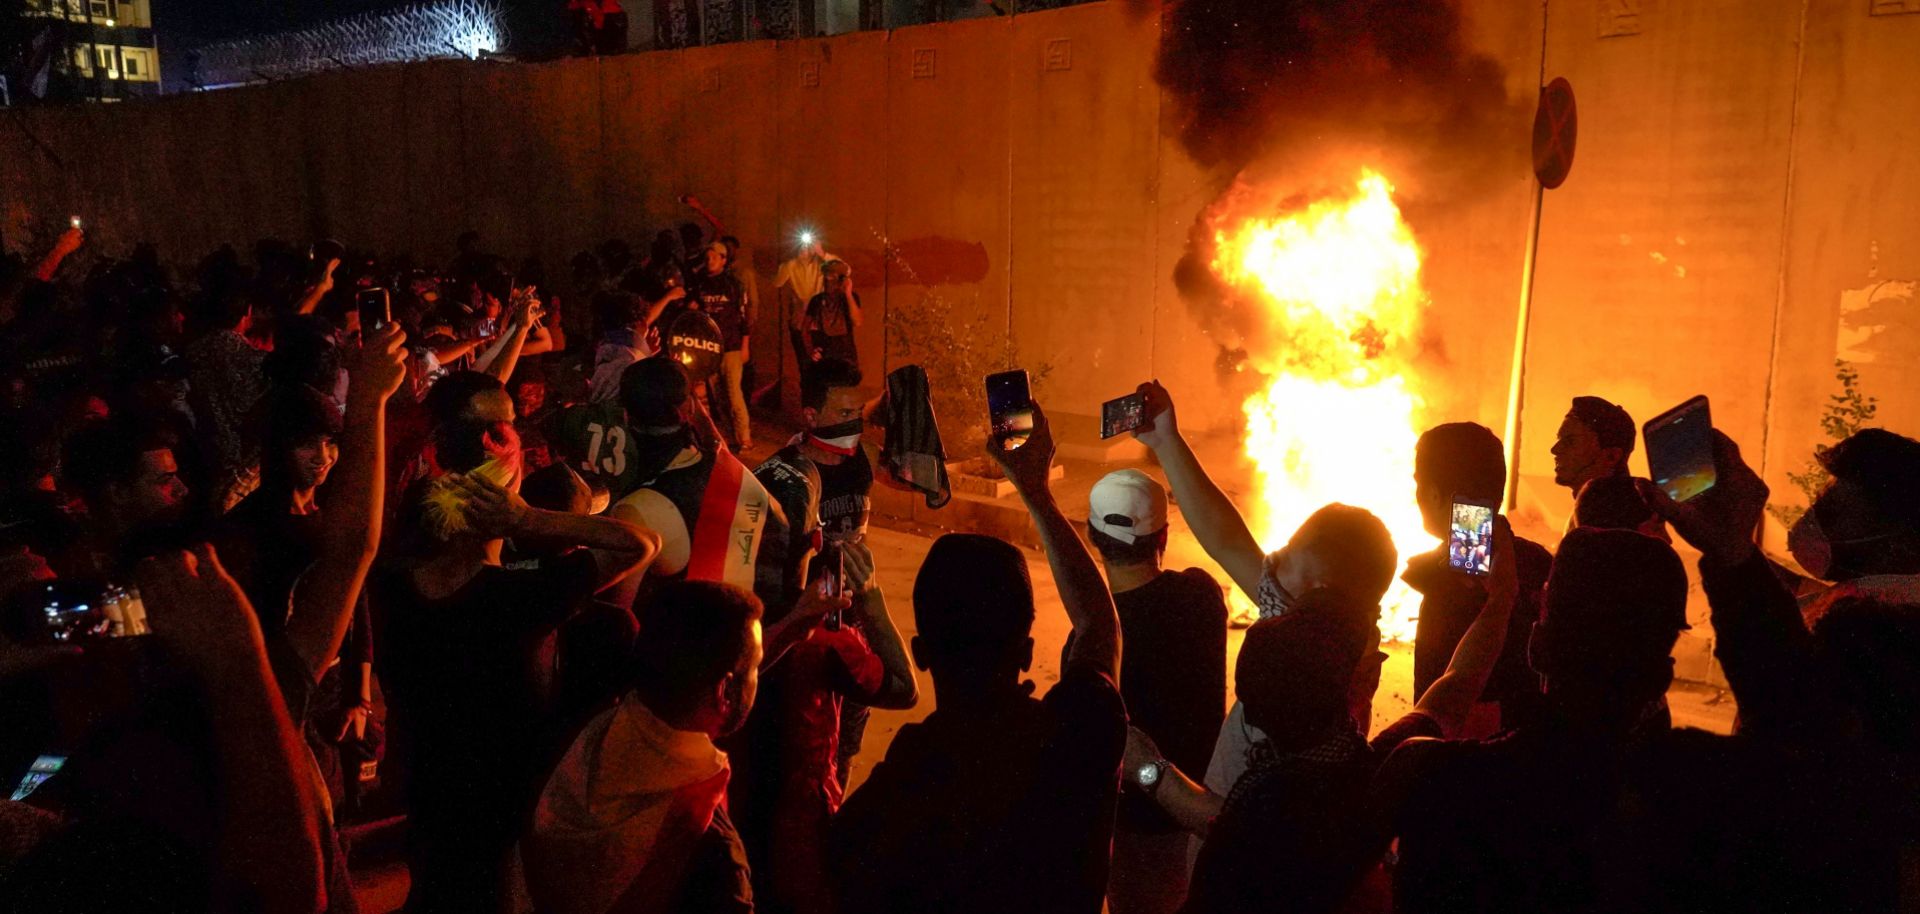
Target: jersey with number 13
(594, 439)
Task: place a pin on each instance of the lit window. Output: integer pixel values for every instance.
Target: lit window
(133, 66)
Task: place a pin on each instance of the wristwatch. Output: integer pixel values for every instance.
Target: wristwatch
(1147, 777)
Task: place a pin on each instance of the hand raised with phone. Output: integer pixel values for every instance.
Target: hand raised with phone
(380, 367)
(1503, 576)
(1161, 428)
(1719, 521)
(1028, 465)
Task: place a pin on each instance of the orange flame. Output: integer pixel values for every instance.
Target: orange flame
(1339, 285)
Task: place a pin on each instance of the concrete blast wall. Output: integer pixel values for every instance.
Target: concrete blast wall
(1740, 214)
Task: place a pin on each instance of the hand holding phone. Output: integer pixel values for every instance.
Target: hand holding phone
(1680, 450)
(1010, 407)
(375, 307)
(1470, 536)
(1121, 415)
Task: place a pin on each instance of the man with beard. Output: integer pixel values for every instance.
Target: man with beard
(461, 638)
(1593, 442)
(634, 817)
(126, 475)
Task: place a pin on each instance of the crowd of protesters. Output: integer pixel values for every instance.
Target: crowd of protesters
(287, 536)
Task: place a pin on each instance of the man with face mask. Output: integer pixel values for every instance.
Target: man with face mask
(824, 480)
(461, 638)
(1863, 531)
(634, 817)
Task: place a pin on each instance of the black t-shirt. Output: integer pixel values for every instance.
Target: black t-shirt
(460, 670)
(845, 497)
(1175, 676)
(780, 570)
(724, 300)
(830, 327)
(1449, 602)
(1002, 809)
(1294, 834)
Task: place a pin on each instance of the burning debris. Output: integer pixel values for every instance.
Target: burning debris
(1303, 268)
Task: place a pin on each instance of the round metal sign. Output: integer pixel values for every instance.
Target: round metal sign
(1556, 126)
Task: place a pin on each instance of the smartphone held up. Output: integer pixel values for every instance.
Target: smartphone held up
(1470, 536)
(1010, 407)
(1680, 449)
(1121, 415)
(375, 307)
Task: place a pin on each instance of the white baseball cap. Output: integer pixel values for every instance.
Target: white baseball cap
(1127, 505)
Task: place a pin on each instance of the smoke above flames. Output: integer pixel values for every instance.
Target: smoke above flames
(1286, 101)
(1256, 78)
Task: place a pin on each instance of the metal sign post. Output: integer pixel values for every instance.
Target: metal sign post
(1555, 130)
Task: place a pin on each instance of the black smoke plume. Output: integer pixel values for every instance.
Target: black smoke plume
(1254, 78)
(1283, 101)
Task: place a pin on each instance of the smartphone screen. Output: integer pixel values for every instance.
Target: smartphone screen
(1122, 415)
(829, 568)
(1680, 450)
(43, 768)
(1470, 537)
(1010, 406)
(375, 309)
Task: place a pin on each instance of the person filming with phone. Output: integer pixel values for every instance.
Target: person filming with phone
(998, 801)
(1451, 461)
(1292, 834)
(1339, 547)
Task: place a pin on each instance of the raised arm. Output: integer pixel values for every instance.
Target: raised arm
(68, 242)
(323, 600)
(1214, 519)
(1452, 696)
(694, 204)
(445, 353)
(620, 548)
(504, 355)
(1083, 591)
(898, 691)
(1759, 636)
(310, 299)
(269, 818)
(673, 294)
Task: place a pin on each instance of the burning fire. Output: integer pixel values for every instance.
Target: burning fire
(1339, 285)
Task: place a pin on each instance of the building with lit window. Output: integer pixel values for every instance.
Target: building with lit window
(86, 50)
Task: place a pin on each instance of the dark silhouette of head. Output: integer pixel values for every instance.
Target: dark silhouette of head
(1344, 548)
(1452, 460)
(1614, 503)
(1295, 670)
(697, 660)
(654, 393)
(1867, 521)
(973, 611)
(1615, 603)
